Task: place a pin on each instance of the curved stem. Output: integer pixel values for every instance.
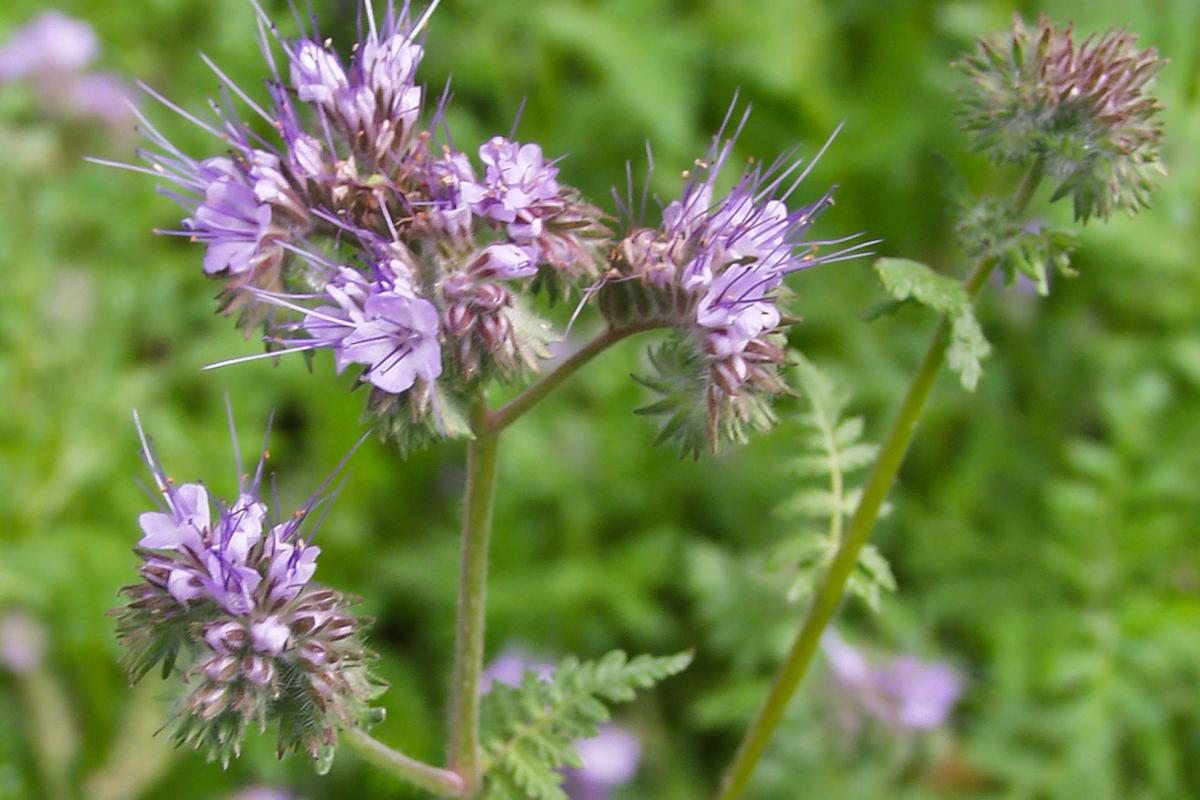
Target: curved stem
(465, 757)
(506, 415)
(441, 782)
(833, 586)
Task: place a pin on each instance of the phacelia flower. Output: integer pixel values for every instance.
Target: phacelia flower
(518, 181)
(352, 228)
(227, 600)
(904, 693)
(713, 272)
(1083, 110)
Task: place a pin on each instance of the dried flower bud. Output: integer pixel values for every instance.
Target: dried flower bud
(1082, 109)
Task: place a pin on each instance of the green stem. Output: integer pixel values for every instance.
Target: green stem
(465, 758)
(441, 782)
(883, 474)
(502, 417)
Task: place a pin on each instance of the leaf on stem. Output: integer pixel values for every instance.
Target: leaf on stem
(529, 731)
(831, 450)
(905, 279)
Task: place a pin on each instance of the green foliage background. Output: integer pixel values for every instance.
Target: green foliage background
(1043, 533)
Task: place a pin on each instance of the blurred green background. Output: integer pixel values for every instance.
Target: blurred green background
(1044, 531)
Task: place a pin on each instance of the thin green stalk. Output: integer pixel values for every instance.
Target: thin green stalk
(883, 474)
(465, 757)
(441, 782)
(502, 417)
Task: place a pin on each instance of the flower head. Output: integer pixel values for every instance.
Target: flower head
(1083, 109)
(227, 600)
(353, 228)
(713, 272)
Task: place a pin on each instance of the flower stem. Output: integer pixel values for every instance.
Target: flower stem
(441, 782)
(465, 757)
(504, 416)
(833, 586)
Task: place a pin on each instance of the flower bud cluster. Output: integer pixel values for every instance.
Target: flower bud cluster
(1082, 110)
(226, 599)
(713, 272)
(362, 230)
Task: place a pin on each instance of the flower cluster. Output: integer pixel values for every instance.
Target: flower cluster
(360, 228)
(714, 272)
(1080, 109)
(227, 599)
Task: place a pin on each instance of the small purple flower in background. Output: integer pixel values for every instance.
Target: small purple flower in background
(262, 793)
(610, 758)
(510, 667)
(51, 53)
(22, 642)
(103, 96)
(904, 693)
(53, 44)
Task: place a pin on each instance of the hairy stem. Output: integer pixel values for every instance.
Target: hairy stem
(465, 758)
(502, 417)
(833, 586)
(441, 782)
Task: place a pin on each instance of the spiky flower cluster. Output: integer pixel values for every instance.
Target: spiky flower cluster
(226, 600)
(713, 271)
(362, 230)
(1082, 109)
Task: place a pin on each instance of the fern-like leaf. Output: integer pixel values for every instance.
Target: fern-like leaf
(529, 731)
(832, 450)
(911, 280)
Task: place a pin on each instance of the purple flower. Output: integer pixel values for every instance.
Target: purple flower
(904, 693)
(263, 639)
(510, 667)
(450, 181)
(376, 103)
(53, 44)
(610, 760)
(262, 793)
(517, 180)
(504, 261)
(712, 272)
(231, 220)
(22, 642)
(387, 69)
(397, 341)
(317, 74)
(388, 329)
